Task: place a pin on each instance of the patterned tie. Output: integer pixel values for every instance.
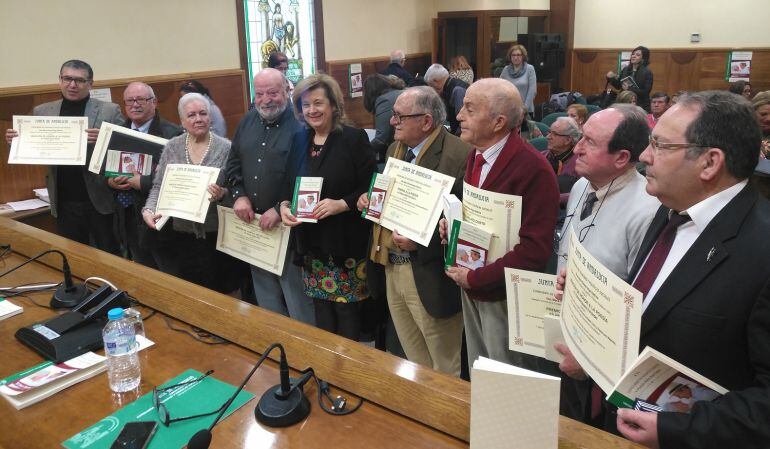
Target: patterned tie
(659, 253)
(588, 206)
(478, 163)
(409, 156)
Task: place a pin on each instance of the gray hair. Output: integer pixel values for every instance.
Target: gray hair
(571, 128)
(192, 96)
(145, 85)
(436, 72)
(428, 101)
(632, 133)
(396, 56)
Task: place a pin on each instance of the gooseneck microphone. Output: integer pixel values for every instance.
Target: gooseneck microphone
(285, 404)
(67, 295)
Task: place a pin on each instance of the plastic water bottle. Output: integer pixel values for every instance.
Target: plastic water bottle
(135, 317)
(123, 369)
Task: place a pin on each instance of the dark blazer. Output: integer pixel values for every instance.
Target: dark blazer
(643, 79)
(439, 294)
(346, 164)
(100, 194)
(453, 94)
(712, 314)
(395, 69)
(519, 170)
(159, 127)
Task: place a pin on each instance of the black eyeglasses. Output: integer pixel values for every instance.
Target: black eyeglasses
(399, 117)
(138, 100)
(78, 81)
(163, 414)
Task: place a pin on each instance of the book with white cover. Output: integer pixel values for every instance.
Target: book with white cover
(513, 408)
(8, 309)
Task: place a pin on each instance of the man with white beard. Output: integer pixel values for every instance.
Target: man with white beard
(256, 172)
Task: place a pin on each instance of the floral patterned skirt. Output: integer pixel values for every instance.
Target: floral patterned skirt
(329, 281)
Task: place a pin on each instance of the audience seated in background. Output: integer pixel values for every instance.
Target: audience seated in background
(451, 90)
(761, 103)
(460, 69)
(579, 113)
(396, 67)
(658, 105)
(741, 88)
(626, 96)
(380, 92)
(218, 125)
(565, 134)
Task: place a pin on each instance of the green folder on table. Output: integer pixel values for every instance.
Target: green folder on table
(201, 397)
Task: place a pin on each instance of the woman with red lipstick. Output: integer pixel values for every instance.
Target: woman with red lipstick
(333, 251)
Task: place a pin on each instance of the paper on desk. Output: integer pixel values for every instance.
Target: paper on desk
(27, 204)
(42, 194)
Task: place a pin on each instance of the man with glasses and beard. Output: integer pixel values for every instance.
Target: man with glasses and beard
(256, 172)
(608, 209)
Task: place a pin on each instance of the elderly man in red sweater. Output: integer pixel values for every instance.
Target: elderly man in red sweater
(502, 162)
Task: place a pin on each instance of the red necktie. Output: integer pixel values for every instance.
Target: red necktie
(659, 253)
(478, 162)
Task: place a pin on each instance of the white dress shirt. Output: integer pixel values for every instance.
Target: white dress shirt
(490, 156)
(701, 215)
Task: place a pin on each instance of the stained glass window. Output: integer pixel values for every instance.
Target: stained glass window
(281, 25)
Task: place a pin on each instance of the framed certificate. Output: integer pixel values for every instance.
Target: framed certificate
(249, 243)
(415, 201)
(184, 191)
(49, 140)
(121, 151)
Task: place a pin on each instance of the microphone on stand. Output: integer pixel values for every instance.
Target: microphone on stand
(282, 405)
(68, 294)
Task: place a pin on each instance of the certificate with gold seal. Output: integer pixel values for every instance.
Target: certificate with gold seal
(498, 213)
(414, 203)
(601, 317)
(249, 243)
(184, 191)
(49, 140)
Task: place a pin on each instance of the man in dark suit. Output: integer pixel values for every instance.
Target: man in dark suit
(502, 162)
(452, 91)
(131, 192)
(424, 303)
(81, 201)
(396, 67)
(703, 268)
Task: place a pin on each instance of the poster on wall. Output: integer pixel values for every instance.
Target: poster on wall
(738, 66)
(356, 81)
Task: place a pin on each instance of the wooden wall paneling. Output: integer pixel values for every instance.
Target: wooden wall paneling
(673, 69)
(17, 181)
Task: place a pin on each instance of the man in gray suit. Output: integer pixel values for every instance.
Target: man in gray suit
(424, 303)
(81, 201)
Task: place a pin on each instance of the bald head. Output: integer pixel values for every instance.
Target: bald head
(140, 103)
(491, 109)
(270, 96)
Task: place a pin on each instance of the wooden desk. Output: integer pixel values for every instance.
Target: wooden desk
(407, 405)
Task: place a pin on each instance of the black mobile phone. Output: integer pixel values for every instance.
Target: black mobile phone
(135, 435)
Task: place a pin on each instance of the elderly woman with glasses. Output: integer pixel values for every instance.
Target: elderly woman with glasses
(333, 250)
(190, 253)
